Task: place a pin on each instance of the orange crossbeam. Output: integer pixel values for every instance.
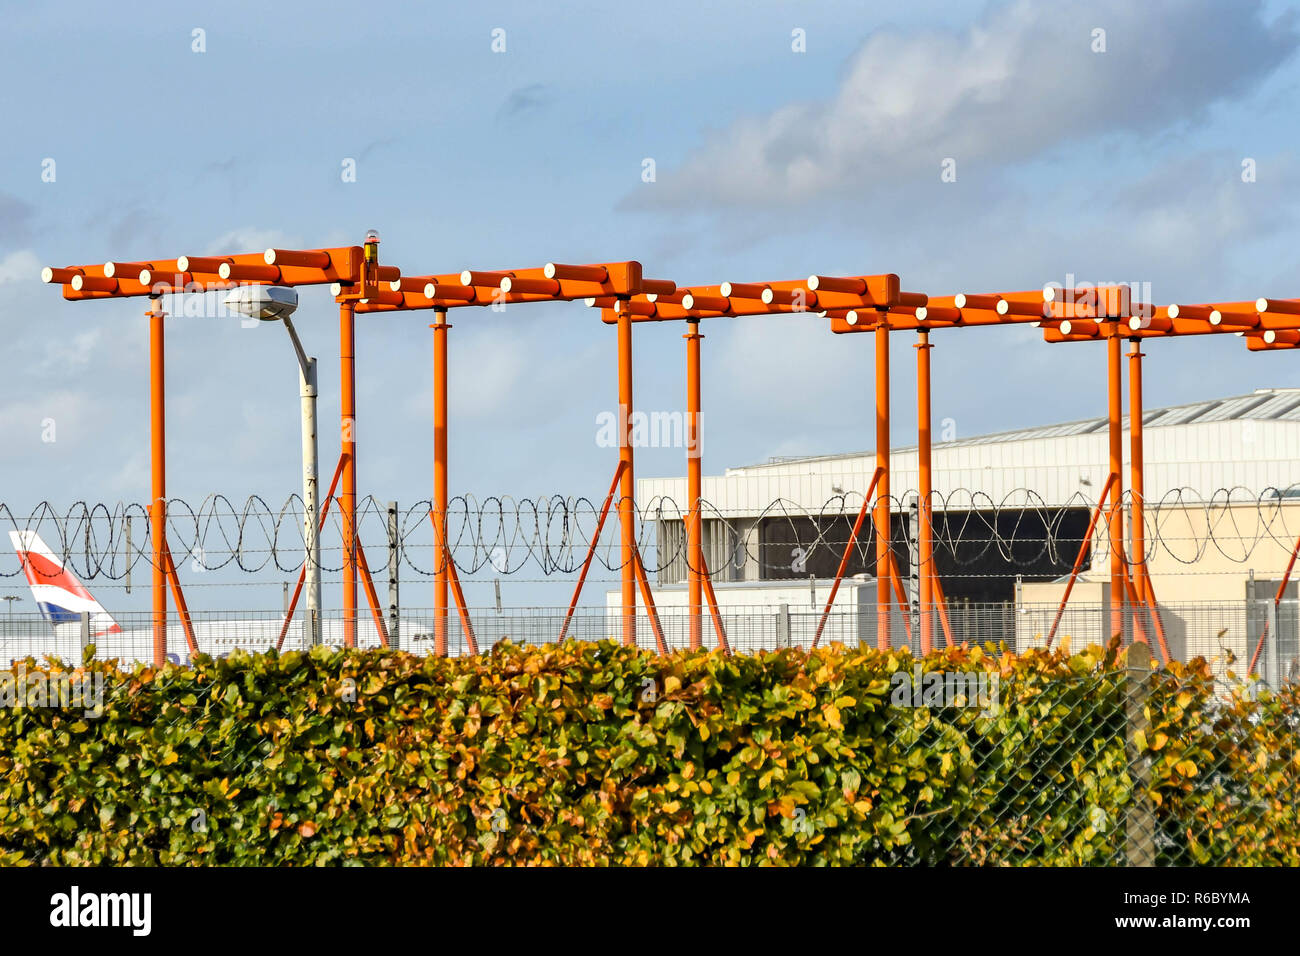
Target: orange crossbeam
(1264, 323)
(291, 267)
(553, 282)
(817, 294)
(563, 282)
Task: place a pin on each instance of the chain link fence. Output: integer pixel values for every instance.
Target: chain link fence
(972, 759)
(1129, 767)
(1225, 633)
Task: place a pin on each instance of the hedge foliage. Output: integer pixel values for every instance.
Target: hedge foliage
(600, 754)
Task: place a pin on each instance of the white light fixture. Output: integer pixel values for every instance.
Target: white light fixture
(265, 302)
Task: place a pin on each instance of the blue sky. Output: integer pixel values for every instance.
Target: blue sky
(1116, 166)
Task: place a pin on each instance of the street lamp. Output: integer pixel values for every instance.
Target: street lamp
(11, 598)
(271, 303)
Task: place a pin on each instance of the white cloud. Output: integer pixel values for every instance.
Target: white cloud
(67, 355)
(1021, 81)
(248, 239)
(20, 266)
(56, 419)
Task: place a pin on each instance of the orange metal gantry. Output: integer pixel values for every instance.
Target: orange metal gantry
(1092, 313)
(355, 270)
(865, 303)
(820, 295)
(554, 282)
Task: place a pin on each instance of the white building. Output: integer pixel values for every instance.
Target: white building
(1011, 510)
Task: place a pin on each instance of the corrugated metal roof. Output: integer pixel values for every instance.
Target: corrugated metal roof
(1274, 404)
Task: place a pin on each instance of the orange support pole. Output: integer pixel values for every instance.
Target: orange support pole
(591, 549)
(440, 481)
(1115, 520)
(158, 463)
(694, 522)
(926, 492)
(881, 516)
(1137, 551)
(1137, 482)
(626, 508)
(1083, 550)
(348, 500)
(1136, 468)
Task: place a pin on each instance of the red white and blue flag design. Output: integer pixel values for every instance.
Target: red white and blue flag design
(57, 592)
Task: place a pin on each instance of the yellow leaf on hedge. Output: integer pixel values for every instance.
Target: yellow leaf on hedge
(832, 714)
(672, 683)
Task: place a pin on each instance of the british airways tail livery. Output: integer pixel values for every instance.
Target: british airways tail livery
(63, 599)
(57, 592)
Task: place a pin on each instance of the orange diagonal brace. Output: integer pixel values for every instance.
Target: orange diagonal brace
(1155, 609)
(713, 608)
(1142, 593)
(441, 546)
(367, 582)
(1083, 550)
(848, 553)
(302, 575)
(459, 595)
(1142, 578)
(941, 603)
(1281, 589)
(899, 594)
(179, 597)
(591, 549)
(644, 582)
(1136, 602)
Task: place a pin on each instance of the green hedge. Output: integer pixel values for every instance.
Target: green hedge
(600, 754)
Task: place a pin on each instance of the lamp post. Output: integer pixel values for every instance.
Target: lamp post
(271, 303)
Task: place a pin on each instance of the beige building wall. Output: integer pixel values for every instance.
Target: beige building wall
(1201, 557)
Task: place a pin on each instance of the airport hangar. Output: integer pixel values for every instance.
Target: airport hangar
(1011, 510)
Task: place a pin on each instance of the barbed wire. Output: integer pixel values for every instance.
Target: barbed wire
(504, 535)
